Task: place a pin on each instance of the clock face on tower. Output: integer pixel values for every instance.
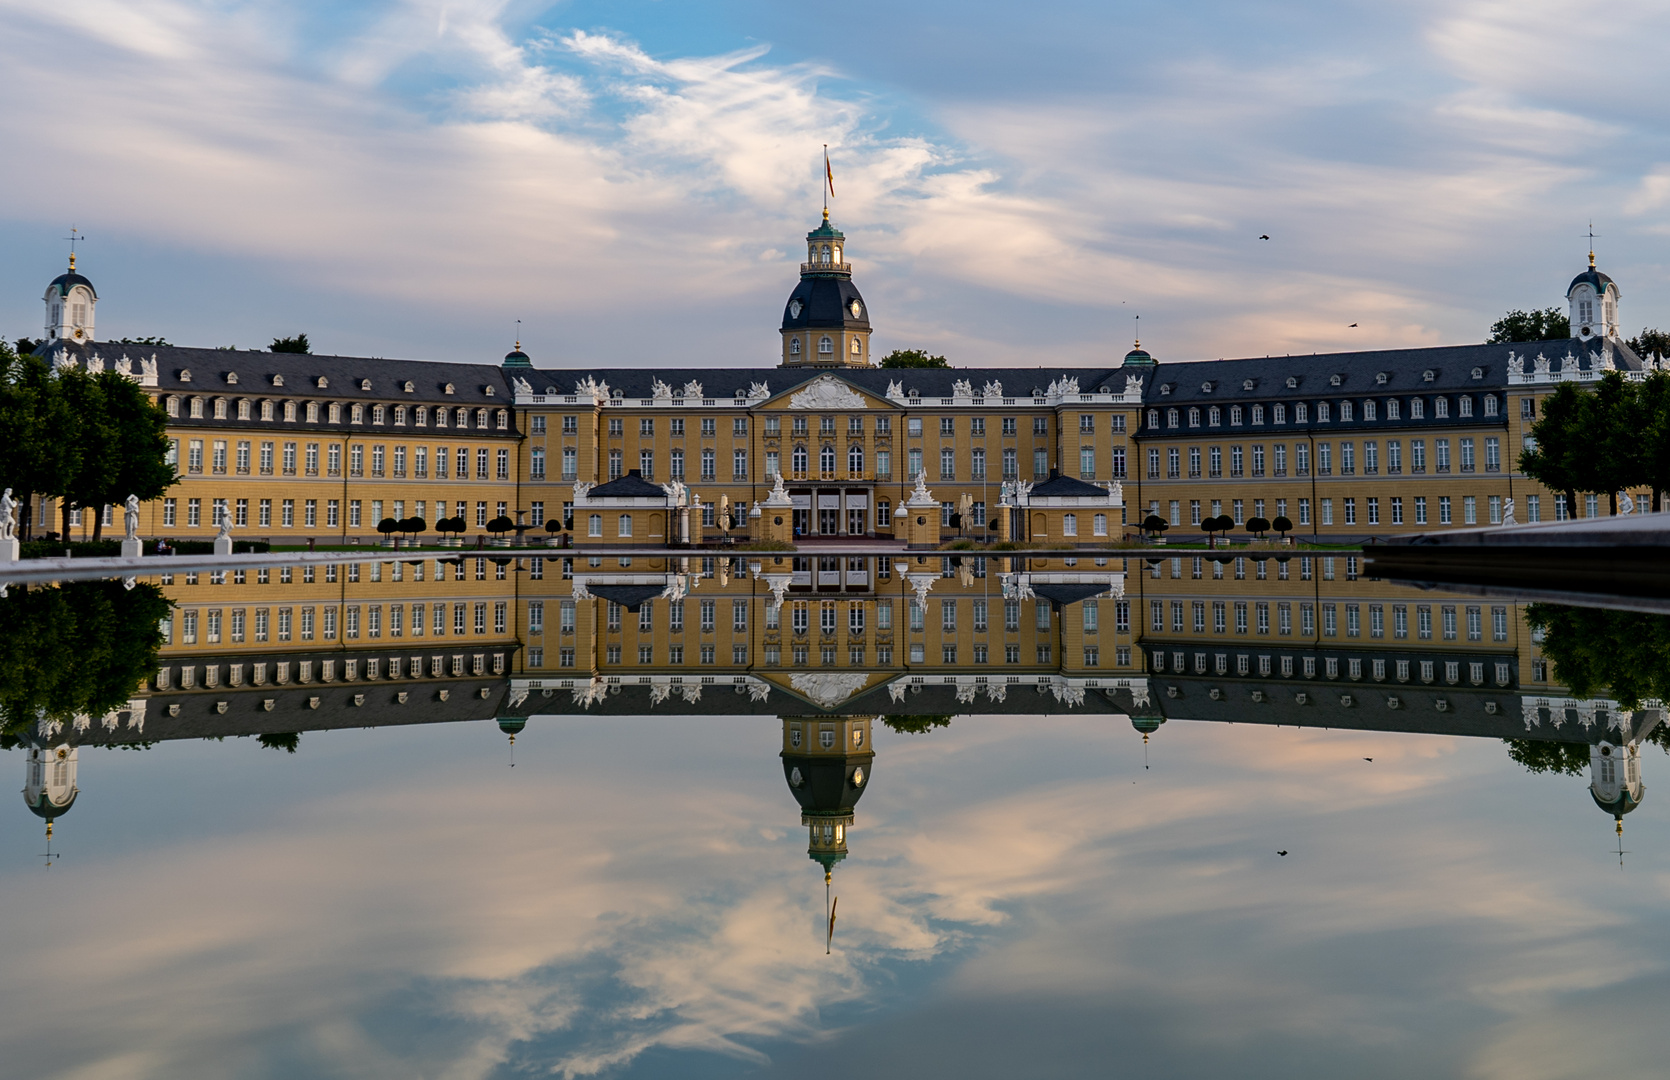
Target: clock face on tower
(794, 309)
(856, 308)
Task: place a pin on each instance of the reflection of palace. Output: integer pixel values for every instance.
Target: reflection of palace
(1346, 445)
(1258, 637)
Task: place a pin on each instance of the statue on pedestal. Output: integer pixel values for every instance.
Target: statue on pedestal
(131, 517)
(8, 515)
(1507, 512)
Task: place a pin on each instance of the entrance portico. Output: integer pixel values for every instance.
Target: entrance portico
(833, 509)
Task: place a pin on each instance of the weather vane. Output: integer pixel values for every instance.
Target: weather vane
(75, 234)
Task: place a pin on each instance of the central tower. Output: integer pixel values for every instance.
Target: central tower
(825, 323)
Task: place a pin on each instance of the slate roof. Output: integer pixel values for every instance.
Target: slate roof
(1062, 594)
(631, 486)
(1595, 279)
(65, 282)
(630, 597)
(824, 302)
(1452, 367)
(301, 373)
(1058, 486)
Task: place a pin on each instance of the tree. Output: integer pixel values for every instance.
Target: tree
(913, 358)
(1282, 525)
(35, 457)
(500, 525)
(81, 648)
(1550, 324)
(414, 525)
(297, 344)
(90, 434)
(1545, 756)
(25, 346)
(1154, 524)
(1610, 456)
(1647, 343)
(153, 342)
(132, 434)
(917, 724)
(388, 527)
(1653, 438)
(287, 741)
(1622, 654)
(1258, 527)
(1559, 442)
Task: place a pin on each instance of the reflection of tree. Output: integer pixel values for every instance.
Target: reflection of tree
(76, 649)
(1624, 655)
(287, 741)
(1541, 756)
(907, 724)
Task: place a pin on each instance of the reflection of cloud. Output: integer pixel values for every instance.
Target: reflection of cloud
(642, 886)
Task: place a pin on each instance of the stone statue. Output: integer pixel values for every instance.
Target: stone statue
(8, 515)
(920, 494)
(225, 524)
(1626, 505)
(1507, 512)
(131, 516)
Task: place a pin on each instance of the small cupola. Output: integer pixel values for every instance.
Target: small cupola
(1139, 357)
(1593, 300)
(70, 301)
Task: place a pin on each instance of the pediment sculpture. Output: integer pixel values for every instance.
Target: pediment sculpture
(828, 688)
(827, 392)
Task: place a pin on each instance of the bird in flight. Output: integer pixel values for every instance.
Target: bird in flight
(1281, 853)
(1368, 759)
(1266, 236)
(1353, 324)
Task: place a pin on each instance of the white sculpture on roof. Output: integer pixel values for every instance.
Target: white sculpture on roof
(993, 388)
(521, 387)
(759, 690)
(758, 390)
(1017, 587)
(896, 689)
(827, 392)
(1516, 364)
(1116, 493)
(678, 587)
(580, 590)
(659, 389)
(962, 388)
(590, 387)
(582, 488)
(95, 364)
(676, 492)
(895, 389)
(1133, 385)
(1067, 384)
(693, 389)
(148, 369)
(996, 692)
(922, 583)
(1540, 364)
(828, 688)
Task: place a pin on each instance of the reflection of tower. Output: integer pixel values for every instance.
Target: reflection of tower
(1615, 766)
(512, 726)
(826, 761)
(1146, 721)
(49, 790)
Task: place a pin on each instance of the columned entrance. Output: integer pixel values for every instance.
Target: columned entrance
(832, 510)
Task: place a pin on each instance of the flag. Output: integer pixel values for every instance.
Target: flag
(828, 173)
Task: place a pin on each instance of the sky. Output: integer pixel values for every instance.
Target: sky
(631, 180)
(634, 900)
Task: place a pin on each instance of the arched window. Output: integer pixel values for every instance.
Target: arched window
(357, 414)
(378, 414)
(825, 345)
(1171, 418)
(197, 408)
(400, 416)
(1069, 524)
(826, 459)
(501, 419)
(1194, 416)
(1215, 416)
(857, 349)
(1490, 405)
(855, 460)
(823, 253)
(794, 346)
(481, 419)
(797, 460)
(1345, 410)
(1322, 412)
(461, 418)
(625, 525)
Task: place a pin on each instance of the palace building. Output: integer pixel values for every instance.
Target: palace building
(1345, 445)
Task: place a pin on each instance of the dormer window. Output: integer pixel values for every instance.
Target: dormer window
(313, 412)
(408, 387)
(172, 405)
(1335, 380)
(1478, 373)
(1215, 416)
(290, 412)
(487, 390)
(461, 419)
(1344, 411)
(501, 419)
(1278, 414)
(1322, 412)
(400, 416)
(356, 415)
(1206, 387)
(1293, 382)
(278, 380)
(185, 374)
(481, 419)
(1391, 409)
(440, 418)
(1194, 416)
(231, 378)
(1380, 378)
(1257, 414)
(243, 408)
(1428, 375)
(266, 410)
(322, 382)
(1171, 418)
(420, 417)
(335, 413)
(365, 384)
(1165, 389)
(1368, 410)
(378, 414)
(1247, 384)
(220, 408)
(447, 389)
(1235, 416)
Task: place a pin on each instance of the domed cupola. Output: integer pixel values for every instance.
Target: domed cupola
(826, 761)
(70, 301)
(1594, 304)
(1615, 777)
(1139, 357)
(826, 322)
(50, 789)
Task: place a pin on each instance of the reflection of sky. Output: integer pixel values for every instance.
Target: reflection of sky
(1022, 899)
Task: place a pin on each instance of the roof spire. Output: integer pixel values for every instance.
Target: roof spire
(1591, 245)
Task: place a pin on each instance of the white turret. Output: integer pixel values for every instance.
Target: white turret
(70, 301)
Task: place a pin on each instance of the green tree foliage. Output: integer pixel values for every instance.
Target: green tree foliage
(1550, 324)
(1614, 437)
(913, 358)
(25, 346)
(73, 649)
(1650, 343)
(919, 724)
(1624, 655)
(153, 342)
(1545, 756)
(297, 344)
(287, 741)
(89, 440)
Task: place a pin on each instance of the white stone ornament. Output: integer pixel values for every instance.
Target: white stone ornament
(827, 392)
(895, 389)
(590, 387)
(993, 389)
(693, 389)
(130, 516)
(1626, 505)
(659, 389)
(962, 388)
(582, 488)
(1507, 512)
(8, 515)
(759, 690)
(828, 688)
(521, 387)
(896, 689)
(1516, 365)
(758, 390)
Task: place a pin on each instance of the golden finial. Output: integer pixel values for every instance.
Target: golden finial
(826, 215)
(72, 262)
(827, 876)
(49, 830)
(1620, 827)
